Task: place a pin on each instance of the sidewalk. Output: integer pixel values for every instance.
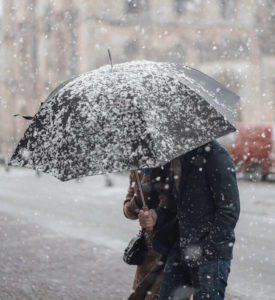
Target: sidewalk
(37, 264)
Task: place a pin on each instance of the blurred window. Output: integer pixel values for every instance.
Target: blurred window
(131, 48)
(271, 10)
(227, 8)
(133, 6)
(181, 7)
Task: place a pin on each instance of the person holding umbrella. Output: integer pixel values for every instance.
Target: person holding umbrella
(156, 193)
(208, 209)
(143, 114)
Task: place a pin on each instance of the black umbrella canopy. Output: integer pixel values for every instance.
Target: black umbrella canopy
(134, 115)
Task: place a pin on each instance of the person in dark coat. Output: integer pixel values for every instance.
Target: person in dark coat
(208, 209)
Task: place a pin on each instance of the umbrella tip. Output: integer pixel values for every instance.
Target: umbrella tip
(25, 117)
(110, 57)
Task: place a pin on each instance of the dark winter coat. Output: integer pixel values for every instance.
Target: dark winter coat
(208, 206)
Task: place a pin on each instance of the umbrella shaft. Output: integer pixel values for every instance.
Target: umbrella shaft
(140, 188)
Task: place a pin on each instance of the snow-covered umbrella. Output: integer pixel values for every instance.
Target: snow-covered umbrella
(127, 116)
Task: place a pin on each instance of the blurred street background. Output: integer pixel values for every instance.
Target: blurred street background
(43, 43)
(65, 240)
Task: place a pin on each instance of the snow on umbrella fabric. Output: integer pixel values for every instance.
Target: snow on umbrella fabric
(134, 115)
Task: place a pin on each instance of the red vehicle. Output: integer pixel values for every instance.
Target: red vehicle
(252, 148)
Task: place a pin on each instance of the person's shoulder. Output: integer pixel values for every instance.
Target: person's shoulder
(132, 175)
(217, 153)
(216, 148)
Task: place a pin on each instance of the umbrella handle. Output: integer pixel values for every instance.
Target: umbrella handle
(146, 209)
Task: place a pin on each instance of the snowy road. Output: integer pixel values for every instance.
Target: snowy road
(65, 240)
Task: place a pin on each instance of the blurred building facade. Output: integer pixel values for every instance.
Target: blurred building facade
(43, 43)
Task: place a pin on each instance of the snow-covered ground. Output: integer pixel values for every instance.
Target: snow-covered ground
(65, 240)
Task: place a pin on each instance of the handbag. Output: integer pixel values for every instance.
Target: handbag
(133, 254)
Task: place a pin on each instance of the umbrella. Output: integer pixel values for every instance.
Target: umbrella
(128, 116)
